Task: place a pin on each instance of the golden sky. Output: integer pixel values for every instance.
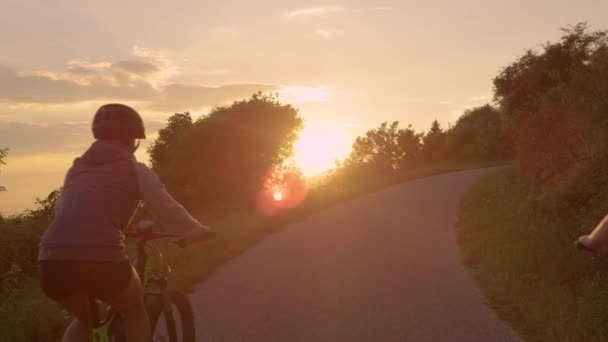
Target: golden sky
(347, 66)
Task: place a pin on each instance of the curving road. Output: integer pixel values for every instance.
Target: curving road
(383, 267)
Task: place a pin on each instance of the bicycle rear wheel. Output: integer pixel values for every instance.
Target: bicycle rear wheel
(171, 318)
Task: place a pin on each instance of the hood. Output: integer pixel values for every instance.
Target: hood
(104, 151)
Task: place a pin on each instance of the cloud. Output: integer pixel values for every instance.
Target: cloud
(137, 67)
(314, 11)
(47, 87)
(181, 97)
(121, 81)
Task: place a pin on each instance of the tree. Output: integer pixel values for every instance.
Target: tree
(519, 87)
(221, 161)
(433, 143)
(561, 89)
(164, 150)
(3, 154)
(477, 135)
(385, 149)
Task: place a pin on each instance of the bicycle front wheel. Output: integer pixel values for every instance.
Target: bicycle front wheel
(171, 319)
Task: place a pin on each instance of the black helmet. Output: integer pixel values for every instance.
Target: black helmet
(117, 121)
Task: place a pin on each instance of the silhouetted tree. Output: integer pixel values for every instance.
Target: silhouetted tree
(433, 143)
(555, 102)
(223, 159)
(520, 86)
(385, 149)
(477, 135)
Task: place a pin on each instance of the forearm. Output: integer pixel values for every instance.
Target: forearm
(164, 208)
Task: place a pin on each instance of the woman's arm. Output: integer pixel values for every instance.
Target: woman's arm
(165, 209)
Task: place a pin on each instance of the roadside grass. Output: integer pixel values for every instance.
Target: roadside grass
(27, 315)
(520, 251)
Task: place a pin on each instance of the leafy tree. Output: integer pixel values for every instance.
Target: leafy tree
(385, 149)
(164, 150)
(433, 143)
(561, 90)
(477, 135)
(223, 159)
(542, 157)
(520, 86)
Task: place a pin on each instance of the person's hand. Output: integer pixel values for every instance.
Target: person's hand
(583, 243)
(587, 243)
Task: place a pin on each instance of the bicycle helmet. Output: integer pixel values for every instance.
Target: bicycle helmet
(117, 121)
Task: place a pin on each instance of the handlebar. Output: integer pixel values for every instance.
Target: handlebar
(148, 235)
(144, 232)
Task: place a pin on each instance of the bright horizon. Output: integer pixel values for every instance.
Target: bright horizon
(347, 66)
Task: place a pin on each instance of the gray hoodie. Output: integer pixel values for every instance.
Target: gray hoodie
(100, 194)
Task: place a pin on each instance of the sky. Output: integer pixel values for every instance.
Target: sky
(348, 66)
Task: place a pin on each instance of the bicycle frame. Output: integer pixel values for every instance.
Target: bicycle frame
(102, 327)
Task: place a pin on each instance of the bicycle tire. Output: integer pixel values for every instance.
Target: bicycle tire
(172, 320)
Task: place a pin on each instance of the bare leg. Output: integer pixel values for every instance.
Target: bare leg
(131, 304)
(77, 332)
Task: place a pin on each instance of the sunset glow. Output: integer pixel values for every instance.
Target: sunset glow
(319, 146)
(346, 67)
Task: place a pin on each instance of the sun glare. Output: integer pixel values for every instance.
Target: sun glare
(318, 147)
(277, 196)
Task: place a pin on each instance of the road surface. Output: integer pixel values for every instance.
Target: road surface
(383, 267)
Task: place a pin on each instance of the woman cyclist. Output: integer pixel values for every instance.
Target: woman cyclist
(82, 253)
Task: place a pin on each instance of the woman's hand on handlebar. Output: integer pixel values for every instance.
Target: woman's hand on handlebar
(587, 243)
(582, 243)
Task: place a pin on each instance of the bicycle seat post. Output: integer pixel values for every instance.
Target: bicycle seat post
(94, 311)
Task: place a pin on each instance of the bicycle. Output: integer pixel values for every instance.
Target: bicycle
(170, 312)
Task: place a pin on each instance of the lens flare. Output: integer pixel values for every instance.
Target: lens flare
(285, 188)
(278, 196)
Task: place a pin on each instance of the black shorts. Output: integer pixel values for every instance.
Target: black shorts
(103, 280)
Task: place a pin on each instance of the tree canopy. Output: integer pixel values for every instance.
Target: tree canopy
(384, 149)
(223, 159)
(519, 87)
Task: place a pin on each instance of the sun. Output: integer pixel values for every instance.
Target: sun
(278, 196)
(319, 146)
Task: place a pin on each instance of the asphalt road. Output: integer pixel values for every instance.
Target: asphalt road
(383, 267)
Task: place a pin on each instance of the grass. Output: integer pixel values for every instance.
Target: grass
(521, 253)
(27, 315)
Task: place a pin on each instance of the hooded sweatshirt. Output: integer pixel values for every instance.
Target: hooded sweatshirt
(100, 194)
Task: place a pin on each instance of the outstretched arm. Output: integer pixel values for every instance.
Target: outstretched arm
(163, 207)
